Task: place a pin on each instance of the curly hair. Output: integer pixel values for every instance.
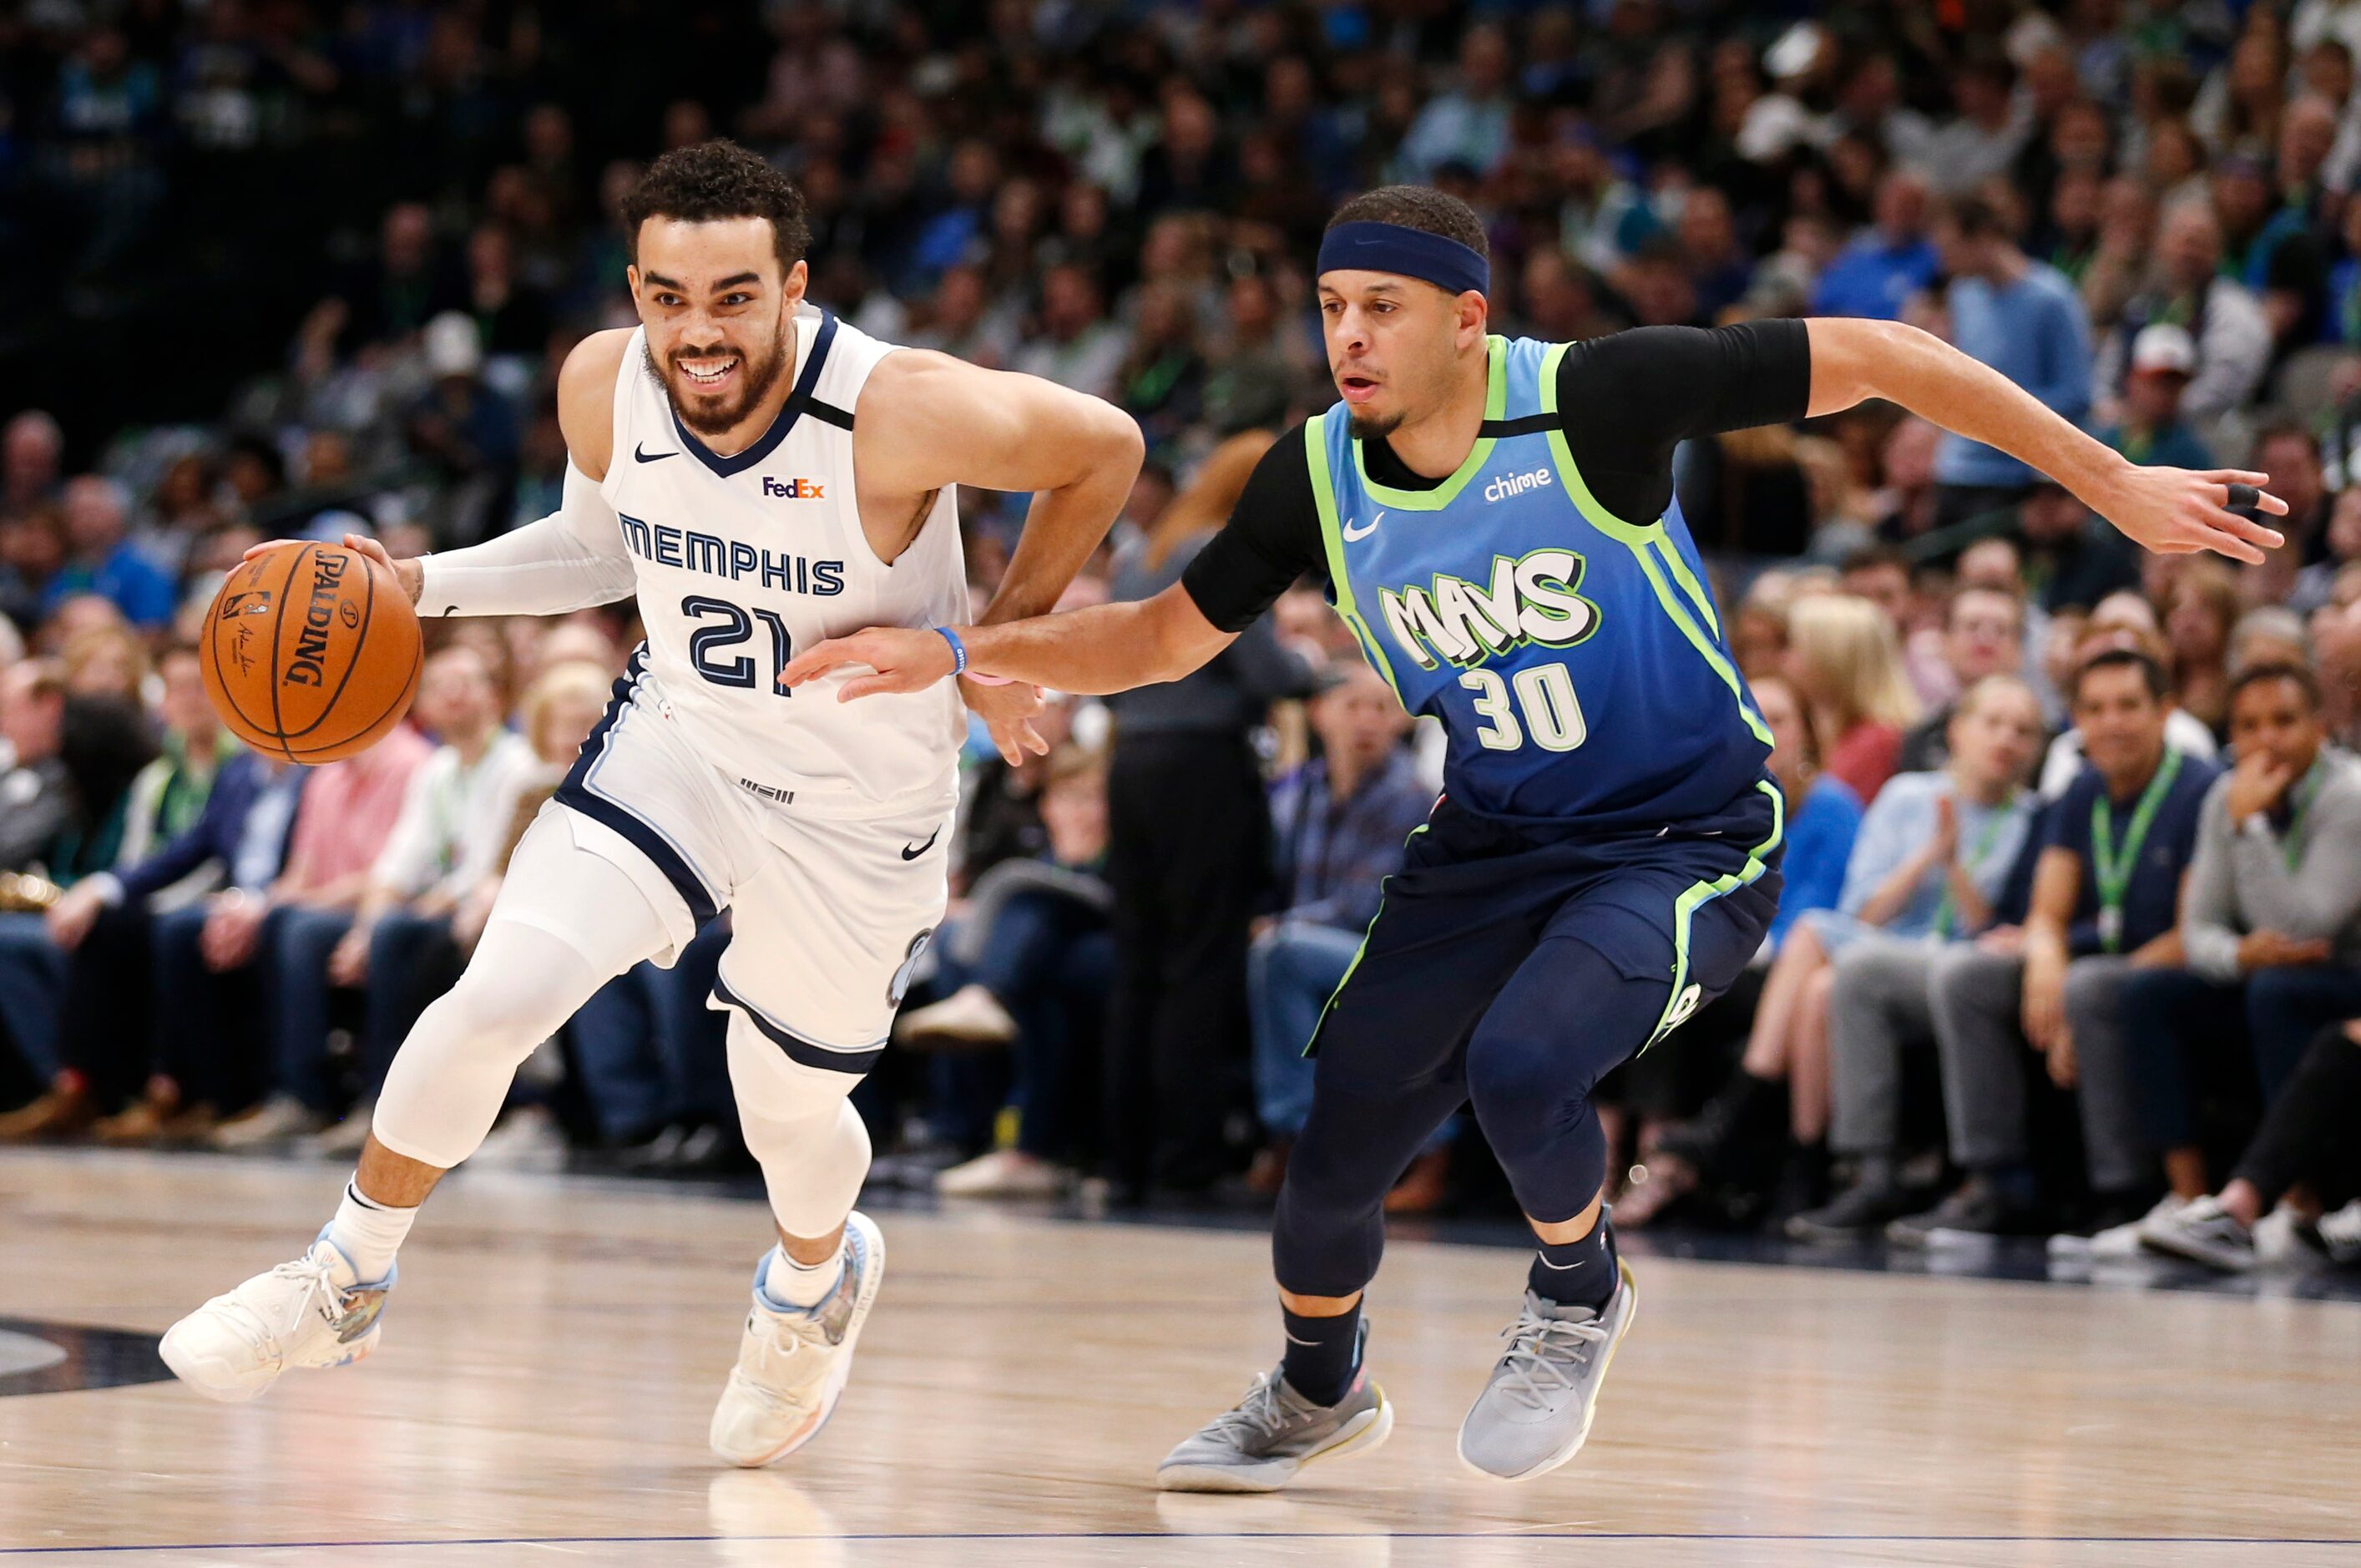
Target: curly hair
(717, 179)
(1417, 207)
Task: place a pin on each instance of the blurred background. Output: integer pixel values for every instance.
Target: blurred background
(270, 268)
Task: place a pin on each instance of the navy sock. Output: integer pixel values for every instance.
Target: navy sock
(1578, 1273)
(1322, 1353)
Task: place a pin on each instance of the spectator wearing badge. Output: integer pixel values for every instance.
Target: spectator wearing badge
(2106, 887)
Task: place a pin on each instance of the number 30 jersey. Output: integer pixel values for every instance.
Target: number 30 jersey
(743, 560)
(1576, 661)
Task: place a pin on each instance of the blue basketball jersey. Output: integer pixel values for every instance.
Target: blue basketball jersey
(1575, 660)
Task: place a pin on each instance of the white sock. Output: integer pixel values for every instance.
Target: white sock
(793, 1284)
(369, 1234)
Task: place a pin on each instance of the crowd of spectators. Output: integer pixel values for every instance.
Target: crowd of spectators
(2072, 926)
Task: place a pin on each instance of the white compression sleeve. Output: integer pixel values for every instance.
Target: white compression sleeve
(569, 560)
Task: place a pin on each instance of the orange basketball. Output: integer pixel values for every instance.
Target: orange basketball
(310, 652)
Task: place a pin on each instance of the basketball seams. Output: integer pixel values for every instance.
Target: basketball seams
(277, 628)
(352, 660)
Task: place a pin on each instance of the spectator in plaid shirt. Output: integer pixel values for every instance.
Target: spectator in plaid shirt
(1339, 823)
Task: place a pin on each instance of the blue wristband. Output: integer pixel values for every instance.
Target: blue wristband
(959, 649)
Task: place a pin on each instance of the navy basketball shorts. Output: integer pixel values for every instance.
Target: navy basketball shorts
(1512, 967)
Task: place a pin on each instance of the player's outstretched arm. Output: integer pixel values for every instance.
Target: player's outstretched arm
(1105, 648)
(2172, 511)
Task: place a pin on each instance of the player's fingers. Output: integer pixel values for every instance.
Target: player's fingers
(1033, 740)
(869, 686)
(265, 548)
(2245, 492)
(1011, 742)
(2227, 533)
(817, 660)
(370, 547)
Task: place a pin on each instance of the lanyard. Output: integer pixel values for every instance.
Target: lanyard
(1948, 911)
(2113, 872)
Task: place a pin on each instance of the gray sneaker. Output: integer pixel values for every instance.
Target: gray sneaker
(1274, 1431)
(1535, 1412)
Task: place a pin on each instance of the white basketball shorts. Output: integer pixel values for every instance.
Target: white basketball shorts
(828, 909)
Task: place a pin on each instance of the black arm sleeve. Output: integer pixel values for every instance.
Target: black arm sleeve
(1272, 538)
(1630, 398)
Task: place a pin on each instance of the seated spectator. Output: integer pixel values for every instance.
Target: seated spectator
(2271, 928)
(2305, 1136)
(166, 800)
(1984, 634)
(1845, 659)
(1930, 862)
(1823, 819)
(1030, 958)
(446, 843)
(101, 560)
(2150, 429)
(1929, 868)
(153, 982)
(1902, 508)
(1339, 823)
(2106, 891)
(292, 922)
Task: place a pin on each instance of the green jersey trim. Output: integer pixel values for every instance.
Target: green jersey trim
(1685, 909)
(1332, 540)
(1495, 404)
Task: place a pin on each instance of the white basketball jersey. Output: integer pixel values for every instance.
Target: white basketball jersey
(744, 560)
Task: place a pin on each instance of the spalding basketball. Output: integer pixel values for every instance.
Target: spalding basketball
(310, 652)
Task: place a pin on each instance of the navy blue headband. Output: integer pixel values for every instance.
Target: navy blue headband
(1413, 253)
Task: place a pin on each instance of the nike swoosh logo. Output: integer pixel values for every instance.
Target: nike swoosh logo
(644, 455)
(1366, 529)
(911, 854)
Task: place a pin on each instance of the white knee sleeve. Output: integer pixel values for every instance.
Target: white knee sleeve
(798, 1122)
(527, 978)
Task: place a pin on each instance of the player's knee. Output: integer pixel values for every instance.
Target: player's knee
(774, 1088)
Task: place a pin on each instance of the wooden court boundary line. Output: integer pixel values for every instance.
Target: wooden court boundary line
(1178, 1536)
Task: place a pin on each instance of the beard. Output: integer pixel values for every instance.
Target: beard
(1367, 426)
(709, 414)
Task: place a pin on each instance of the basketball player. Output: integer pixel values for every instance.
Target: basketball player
(1496, 520)
(761, 474)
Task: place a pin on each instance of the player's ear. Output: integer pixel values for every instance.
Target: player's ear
(631, 277)
(798, 278)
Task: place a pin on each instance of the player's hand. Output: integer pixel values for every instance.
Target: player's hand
(2179, 511)
(1008, 711)
(406, 572)
(905, 659)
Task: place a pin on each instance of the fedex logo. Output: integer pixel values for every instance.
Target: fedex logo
(794, 489)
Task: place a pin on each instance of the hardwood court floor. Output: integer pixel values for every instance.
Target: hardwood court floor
(553, 1350)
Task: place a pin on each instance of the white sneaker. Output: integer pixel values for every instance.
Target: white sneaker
(2340, 1233)
(280, 1119)
(2203, 1232)
(2281, 1241)
(2118, 1243)
(792, 1362)
(970, 1015)
(311, 1312)
(530, 1139)
(1002, 1173)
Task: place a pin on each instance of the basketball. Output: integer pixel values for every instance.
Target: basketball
(310, 652)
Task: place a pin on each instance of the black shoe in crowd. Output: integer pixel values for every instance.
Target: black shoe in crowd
(1741, 1124)
(1976, 1210)
(1874, 1198)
